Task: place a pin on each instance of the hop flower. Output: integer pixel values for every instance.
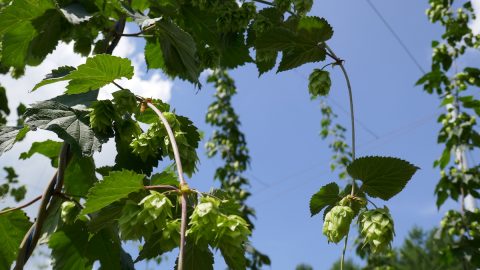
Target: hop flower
(376, 227)
(69, 212)
(337, 223)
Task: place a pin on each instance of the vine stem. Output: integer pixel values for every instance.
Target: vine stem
(339, 62)
(350, 95)
(342, 261)
(30, 239)
(21, 206)
(183, 183)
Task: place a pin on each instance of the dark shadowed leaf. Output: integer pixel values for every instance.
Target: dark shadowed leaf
(327, 195)
(71, 125)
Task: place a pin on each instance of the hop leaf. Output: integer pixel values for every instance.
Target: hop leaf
(337, 223)
(376, 227)
(302, 6)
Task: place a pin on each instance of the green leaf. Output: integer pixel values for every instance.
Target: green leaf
(48, 148)
(75, 13)
(382, 177)
(265, 60)
(315, 29)
(31, 30)
(114, 187)
(106, 247)
(4, 101)
(179, 52)
(234, 255)
(302, 6)
(48, 31)
(197, 257)
(79, 176)
(296, 57)
(108, 216)
(328, 195)
(56, 75)
(233, 51)
(154, 55)
(70, 124)
(162, 241)
(8, 137)
(167, 177)
(13, 227)
(319, 83)
(22, 11)
(85, 99)
(70, 246)
(15, 45)
(276, 39)
(98, 71)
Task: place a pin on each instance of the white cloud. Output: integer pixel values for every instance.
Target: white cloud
(476, 23)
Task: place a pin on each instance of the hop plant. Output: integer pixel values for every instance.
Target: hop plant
(376, 227)
(337, 223)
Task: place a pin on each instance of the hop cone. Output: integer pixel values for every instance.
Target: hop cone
(337, 223)
(376, 227)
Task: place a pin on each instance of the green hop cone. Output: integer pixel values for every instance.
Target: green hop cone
(69, 212)
(376, 227)
(337, 223)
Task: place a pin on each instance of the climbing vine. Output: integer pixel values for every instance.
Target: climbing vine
(86, 214)
(456, 85)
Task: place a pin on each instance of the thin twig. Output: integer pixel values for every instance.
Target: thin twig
(21, 206)
(178, 162)
(329, 64)
(374, 205)
(118, 85)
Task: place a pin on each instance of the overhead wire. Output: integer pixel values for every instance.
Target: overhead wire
(395, 35)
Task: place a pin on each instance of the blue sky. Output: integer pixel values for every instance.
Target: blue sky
(290, 162)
